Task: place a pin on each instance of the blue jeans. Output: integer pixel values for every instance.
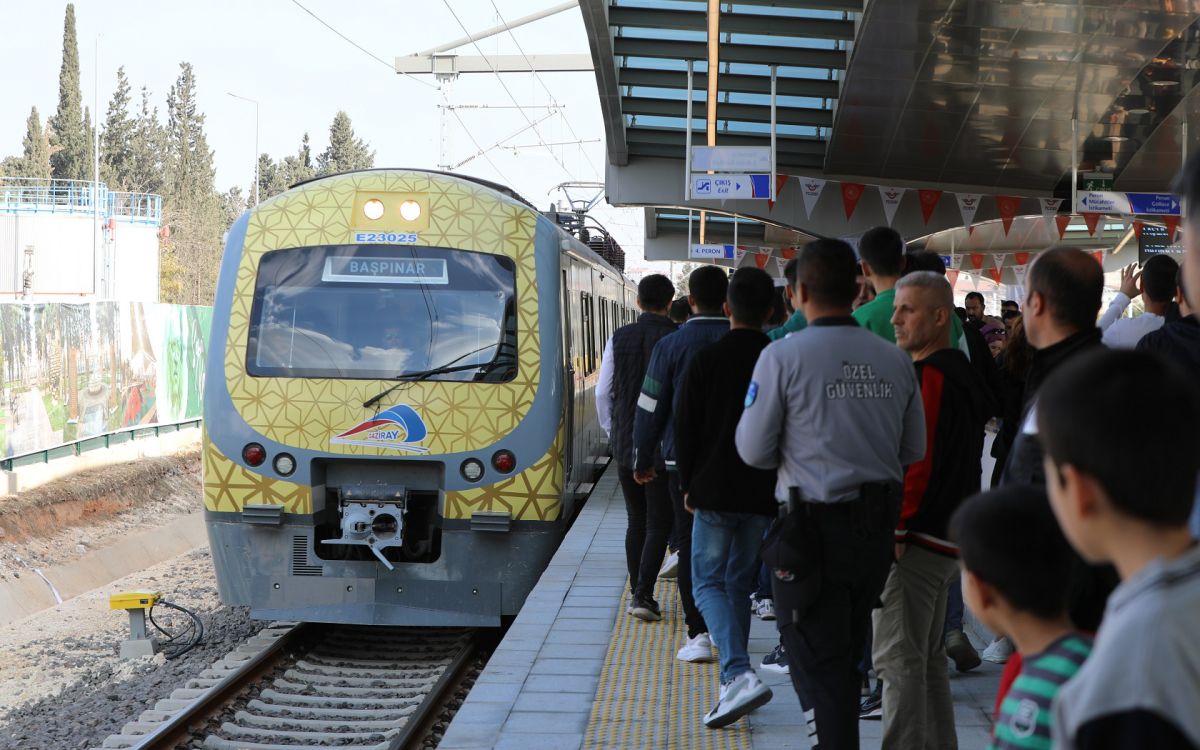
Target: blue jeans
(724, 568)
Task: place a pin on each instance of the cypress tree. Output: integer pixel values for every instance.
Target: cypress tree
(71, 156)
(345, 151)
(146, 150)
(116, 144)
(35, 161)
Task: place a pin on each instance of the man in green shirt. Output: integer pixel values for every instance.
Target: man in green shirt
(796, 322)
(882, 253)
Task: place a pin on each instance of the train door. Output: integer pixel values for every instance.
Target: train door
(568, 350)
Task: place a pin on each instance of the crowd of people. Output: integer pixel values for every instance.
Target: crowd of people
(822, 467)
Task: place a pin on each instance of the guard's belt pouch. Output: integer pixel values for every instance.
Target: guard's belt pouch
(791, 550)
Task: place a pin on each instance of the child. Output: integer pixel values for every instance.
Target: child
(1016, 568)
(1121, 432)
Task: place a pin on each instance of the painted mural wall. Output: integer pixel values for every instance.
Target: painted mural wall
(73, 371)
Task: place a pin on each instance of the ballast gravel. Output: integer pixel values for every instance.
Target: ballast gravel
(62, 684)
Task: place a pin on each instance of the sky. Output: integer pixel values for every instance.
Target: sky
(301, 74)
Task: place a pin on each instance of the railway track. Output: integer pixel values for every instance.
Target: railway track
(319, 686)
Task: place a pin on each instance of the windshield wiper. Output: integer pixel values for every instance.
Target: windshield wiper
(419, 375)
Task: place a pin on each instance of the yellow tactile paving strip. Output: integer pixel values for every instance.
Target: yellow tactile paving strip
(649, 699)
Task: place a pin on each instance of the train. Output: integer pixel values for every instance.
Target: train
(399, 418)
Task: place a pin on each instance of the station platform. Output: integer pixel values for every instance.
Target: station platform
(575, 671)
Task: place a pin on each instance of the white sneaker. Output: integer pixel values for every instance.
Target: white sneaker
(670, 567)
(765, 609)
(999, 651)
(698, 649)
(738, 698)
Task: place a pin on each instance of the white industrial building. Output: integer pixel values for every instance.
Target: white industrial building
(69, 240)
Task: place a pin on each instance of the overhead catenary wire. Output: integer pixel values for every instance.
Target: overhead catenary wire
(507, 91)
(483, 152)
(359, 47)
(538, 78)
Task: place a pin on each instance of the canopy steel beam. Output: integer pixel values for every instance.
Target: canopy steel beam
(732, 23)
(600, 43)
(756, 54)
(745, 84)
(445, 64)
(641, 105)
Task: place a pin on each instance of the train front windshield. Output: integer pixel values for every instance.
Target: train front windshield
(382, 311)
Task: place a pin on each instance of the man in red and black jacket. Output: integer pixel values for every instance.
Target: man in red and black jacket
(909, 651)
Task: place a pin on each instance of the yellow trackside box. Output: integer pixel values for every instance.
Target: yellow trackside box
(133, 600)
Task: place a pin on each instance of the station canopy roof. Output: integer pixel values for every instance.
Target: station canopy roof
(974, 97)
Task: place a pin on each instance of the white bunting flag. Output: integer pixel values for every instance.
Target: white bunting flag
(968, 204)
(998, 260)
(1019, 272)
(812, 188)
(1049, 211)
(891, 197)
(779, 264)
(956, 262)
(738, 253)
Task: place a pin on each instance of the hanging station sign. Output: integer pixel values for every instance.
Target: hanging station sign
(1128, 204)
(727, 186)
(731, 159)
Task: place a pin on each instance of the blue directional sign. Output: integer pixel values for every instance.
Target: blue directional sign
(735, 186)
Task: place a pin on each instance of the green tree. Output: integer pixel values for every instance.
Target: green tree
(71, 156)
(345, 152)
(190, 258)
(116, 144)
(146, 146)
(35, 161)
(267, 177)
(233, 203)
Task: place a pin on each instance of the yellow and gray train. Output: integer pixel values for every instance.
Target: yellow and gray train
(398, 410)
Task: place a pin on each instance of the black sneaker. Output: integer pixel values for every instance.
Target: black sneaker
(644, 608)
(866, 687)
(871, 708)
(776, 661)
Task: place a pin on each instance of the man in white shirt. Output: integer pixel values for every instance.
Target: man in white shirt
(1156, 284)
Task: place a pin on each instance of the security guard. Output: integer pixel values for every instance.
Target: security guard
(837, 410)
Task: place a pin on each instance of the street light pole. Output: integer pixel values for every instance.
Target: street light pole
(255, 103)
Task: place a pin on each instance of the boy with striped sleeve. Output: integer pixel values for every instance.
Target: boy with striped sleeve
(1016, 571)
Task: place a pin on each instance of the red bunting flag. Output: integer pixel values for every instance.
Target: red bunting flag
(952, 276)
(929, 201)
(1062, 220)
(1021, 258)
(995, 274)
(977, 260)
(851, 192)
(1091, 220)
(787, 252)
(780, 181)
(1172, 223)
(1137, 228)
(760, 259)
(1099, 256)
(1007, 206)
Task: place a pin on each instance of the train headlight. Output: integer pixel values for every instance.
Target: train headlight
(472, 469)
(284, 464)
(410, 210)
(254, 454)
(373, 209)
(504, 461)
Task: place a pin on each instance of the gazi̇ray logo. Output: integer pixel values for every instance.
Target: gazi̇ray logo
(399, 427)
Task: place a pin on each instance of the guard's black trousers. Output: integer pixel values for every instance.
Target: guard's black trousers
(824, 641)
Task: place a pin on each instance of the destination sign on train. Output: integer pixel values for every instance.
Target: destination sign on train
(386, 270)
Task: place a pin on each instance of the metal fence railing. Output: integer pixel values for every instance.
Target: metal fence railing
(32, 195)
(95, 442)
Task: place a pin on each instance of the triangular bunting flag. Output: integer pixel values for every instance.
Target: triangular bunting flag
(738, 254)
(851, 192)
(929, 201)
(955, 262)
(1062, 221)
(998, 260)
(779, 264)
(1019, 272)
(780, 181)
(891, 198)
(1137, 229)
(760, 259)
(787, 252)
(1099, 256)
(995, 273)
(1007, 206)
(952, 276)
(1172, 223)
(1049, 212)
(1021, 259)
(977, 261)
(968, 204)
(811, 188)
(1091, 220)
